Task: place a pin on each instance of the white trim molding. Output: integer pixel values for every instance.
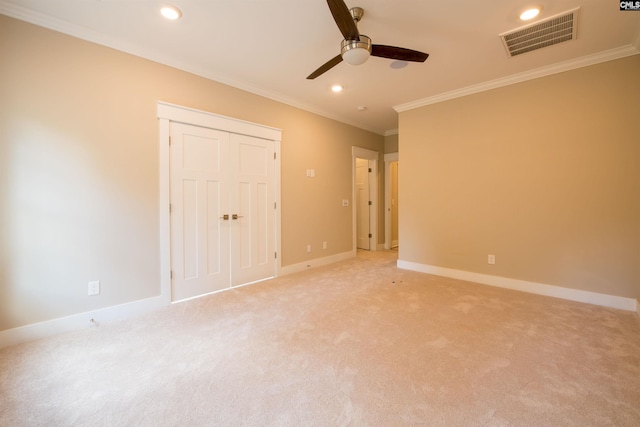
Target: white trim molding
(608, 55)
(388, 159)
(181, 114)
(168, 113)
(43, 20)
(80, 321)
(612, 301)
(317, 262)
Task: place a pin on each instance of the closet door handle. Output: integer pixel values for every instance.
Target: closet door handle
(225, 217)
(236, 216)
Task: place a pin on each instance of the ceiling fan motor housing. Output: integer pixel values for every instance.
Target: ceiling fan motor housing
(356, 52)
(356, 48)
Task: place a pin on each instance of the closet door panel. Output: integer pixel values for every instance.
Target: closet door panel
(253, 192)
(199, 200)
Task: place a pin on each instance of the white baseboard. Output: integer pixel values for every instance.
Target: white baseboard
(317, 262)
(79, 321)
(622, 303)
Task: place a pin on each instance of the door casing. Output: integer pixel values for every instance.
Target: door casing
(372, 156)
(168, 113)
(388, 159)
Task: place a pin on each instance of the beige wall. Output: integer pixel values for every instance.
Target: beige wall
(79, 171)
(391, 143)
(544, 174)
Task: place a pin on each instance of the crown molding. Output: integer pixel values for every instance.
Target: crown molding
(42, 20)
(607, 55)
(46, 21)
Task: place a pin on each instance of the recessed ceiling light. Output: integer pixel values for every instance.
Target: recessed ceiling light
(171, 12)
(336, 88)
(530, 13)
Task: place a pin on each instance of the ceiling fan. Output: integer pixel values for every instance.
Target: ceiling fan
(356, 48)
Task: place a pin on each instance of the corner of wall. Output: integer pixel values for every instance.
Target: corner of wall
(317, 262)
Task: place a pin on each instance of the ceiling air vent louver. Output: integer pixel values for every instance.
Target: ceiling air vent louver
(556, 29)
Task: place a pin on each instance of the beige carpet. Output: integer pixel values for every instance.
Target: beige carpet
(355, 343)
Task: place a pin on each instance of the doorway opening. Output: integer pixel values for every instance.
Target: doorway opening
(365, 198)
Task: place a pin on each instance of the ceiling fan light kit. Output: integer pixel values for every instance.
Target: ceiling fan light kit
(356, 48)
(356, 52)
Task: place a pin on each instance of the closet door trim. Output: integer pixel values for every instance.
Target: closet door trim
(167, 113)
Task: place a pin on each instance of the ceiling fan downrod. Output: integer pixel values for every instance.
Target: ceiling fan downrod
(356, 51)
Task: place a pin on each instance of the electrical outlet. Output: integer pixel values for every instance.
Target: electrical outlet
(324, 245)
(491, 259)
(94, 288)
(308, 248)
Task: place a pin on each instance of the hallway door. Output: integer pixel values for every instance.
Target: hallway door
(363, 204)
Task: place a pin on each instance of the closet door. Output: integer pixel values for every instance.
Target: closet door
(200, 181)
(253, 203)
(222, 210)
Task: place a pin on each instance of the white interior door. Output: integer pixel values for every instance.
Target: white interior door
(199, 200)
(222, 210)
(253, 202)
(363, 222)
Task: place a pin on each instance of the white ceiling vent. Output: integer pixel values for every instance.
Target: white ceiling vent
(556, 29)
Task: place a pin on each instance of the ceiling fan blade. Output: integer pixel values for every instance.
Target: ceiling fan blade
(326, 67)
(343, 19)
(399, 53)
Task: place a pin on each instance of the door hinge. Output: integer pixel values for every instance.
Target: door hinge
(169, 207)
(171, 274)
(370, 235)
(169, 139)
(275, 255)
(274, 156)
(369, 170)
(370, 203)
(275, 205)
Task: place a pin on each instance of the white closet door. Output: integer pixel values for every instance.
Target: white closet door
(253, 201)
(199, 198)
(222, 210)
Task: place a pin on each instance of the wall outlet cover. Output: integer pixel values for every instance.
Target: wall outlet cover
(94, 288)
